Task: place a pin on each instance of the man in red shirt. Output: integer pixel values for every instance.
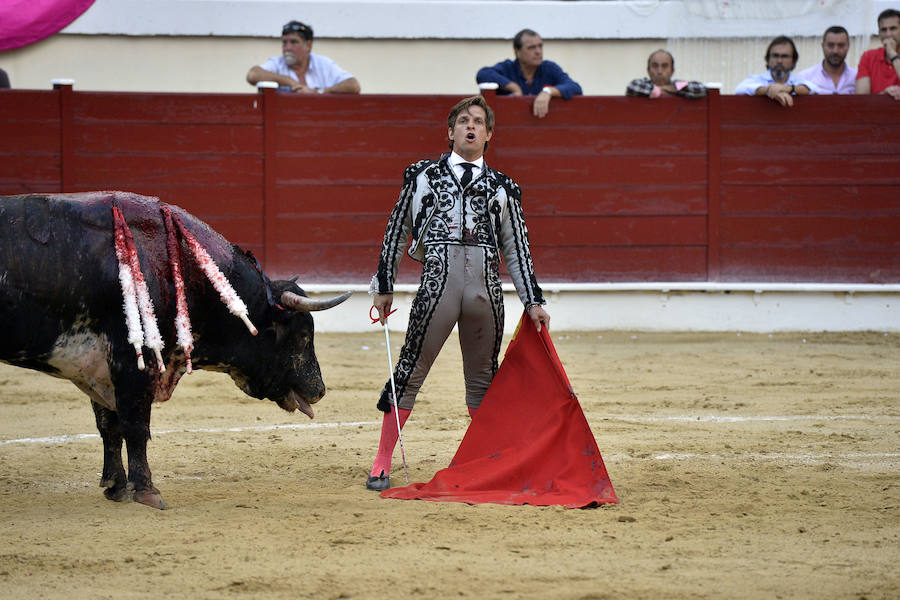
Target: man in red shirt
(879, 69)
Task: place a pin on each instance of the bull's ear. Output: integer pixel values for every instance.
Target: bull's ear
(294, 279)
(282, 330)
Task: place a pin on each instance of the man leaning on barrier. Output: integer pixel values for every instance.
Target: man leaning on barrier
(301, 71)
(659, 83)
(777, 82)
(833, 75)
(530, 75)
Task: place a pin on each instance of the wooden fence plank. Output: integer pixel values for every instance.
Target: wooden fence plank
(614, 188)
(847, 199)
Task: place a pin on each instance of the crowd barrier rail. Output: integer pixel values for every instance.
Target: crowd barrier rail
(615, 189)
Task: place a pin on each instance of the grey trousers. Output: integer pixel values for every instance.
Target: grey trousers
(461, 286)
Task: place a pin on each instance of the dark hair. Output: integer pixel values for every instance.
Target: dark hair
(464, 104)
(517, 41)
(887, 14)
(304, 30)
(672, 58)
(835, 29)
(782, 39)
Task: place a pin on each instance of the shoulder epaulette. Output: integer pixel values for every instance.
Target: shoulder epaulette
(413, 170)
(512, 188)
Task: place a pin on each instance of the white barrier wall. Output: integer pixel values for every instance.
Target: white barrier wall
(758, 308)
(424, 47)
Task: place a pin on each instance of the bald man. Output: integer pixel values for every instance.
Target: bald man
(659, 84)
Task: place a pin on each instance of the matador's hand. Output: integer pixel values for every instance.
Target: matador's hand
(539, 316)
(382, 304)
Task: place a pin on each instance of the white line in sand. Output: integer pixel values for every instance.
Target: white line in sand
(68, 438)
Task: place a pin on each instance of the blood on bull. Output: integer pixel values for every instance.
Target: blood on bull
(87, 280)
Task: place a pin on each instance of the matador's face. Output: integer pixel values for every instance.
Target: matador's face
(470, 133)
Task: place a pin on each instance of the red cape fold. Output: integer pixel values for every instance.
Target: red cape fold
(529, 442)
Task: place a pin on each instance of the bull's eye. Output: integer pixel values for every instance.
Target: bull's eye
(303, 342)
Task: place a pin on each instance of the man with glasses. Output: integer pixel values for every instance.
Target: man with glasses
(777, 82)
(300, 70)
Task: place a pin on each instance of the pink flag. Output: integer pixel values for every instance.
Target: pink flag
(24, 22)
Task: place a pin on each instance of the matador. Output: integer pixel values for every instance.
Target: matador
(461, 217)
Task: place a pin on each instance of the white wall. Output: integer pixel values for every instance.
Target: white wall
(424, 46)
(213, 65)
(480, 19)
(758, 308)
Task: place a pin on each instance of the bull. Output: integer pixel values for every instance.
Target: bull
(61, 312)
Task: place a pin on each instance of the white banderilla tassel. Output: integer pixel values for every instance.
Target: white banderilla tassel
(234, 303)
(132, 318)
(182, 319)
(127, 253)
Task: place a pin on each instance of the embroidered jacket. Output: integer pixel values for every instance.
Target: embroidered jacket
(433, 209)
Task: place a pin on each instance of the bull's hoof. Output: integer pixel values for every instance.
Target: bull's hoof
(114, 482)
(117, 494)
(151, 498)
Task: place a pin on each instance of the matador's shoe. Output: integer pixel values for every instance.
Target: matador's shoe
(378, 483)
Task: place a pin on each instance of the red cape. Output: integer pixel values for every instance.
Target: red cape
(529, 442)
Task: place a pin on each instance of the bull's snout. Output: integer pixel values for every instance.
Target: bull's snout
(319, 393)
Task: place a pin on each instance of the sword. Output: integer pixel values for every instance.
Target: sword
(387, 339)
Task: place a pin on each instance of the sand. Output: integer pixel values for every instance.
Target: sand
(748, 466)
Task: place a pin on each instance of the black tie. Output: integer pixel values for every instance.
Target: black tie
(467, 176)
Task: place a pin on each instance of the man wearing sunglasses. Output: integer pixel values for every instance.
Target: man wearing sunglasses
(299, 70)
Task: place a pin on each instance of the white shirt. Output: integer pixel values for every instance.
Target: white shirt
(456, 162)
(322, 72)
(749, 86)
(817, 75)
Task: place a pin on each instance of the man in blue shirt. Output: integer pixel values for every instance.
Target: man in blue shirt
(530, 75)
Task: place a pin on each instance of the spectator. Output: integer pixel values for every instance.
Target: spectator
(299, 70)
(833, 75)
(777, 82)
(879, 69)
(659, 84)
(530, 75)
(4, 79)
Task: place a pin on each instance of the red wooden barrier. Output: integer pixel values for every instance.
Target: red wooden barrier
(615, 189)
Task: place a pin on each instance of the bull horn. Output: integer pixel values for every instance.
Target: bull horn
(304, 304)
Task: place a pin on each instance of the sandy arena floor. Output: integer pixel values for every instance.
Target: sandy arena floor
(748, 466)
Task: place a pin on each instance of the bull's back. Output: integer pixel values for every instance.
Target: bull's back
(58, 270)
